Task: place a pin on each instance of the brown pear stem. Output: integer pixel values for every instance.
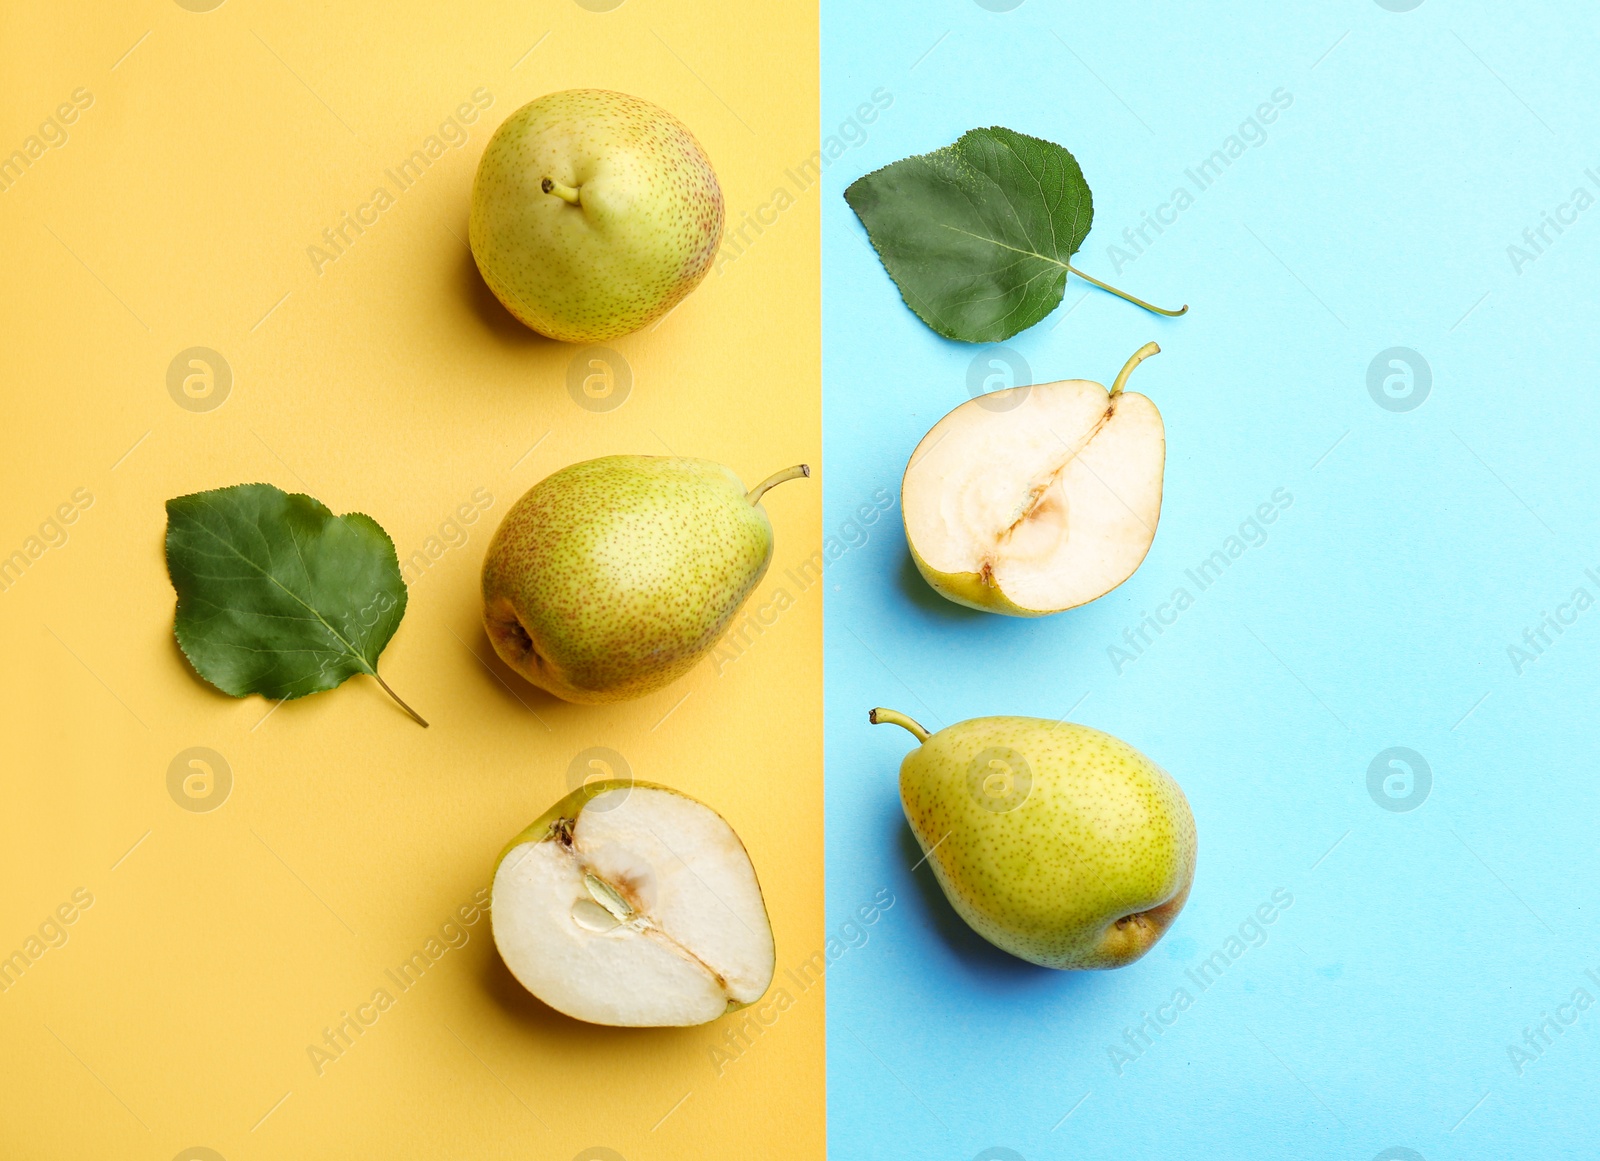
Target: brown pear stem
(772, 481)
(565, 192)
(894, 717)
(1139, 356)
(418, 718)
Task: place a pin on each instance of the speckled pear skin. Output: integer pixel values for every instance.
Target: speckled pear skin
(613, 577)
(643, 235)
(1087, 873)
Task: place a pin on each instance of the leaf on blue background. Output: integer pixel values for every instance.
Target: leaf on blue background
(977, 235)
(277, 595)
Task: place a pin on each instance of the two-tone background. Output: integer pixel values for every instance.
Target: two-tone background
(1381, 707)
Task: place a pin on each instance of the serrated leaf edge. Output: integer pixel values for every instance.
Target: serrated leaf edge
(177, 629)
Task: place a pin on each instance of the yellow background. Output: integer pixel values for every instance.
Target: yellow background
(178, 214)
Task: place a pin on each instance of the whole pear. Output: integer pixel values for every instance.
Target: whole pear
(593, 213)
(1057, 843)
(613, 577)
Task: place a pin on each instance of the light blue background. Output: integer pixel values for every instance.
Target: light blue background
(1378, 613)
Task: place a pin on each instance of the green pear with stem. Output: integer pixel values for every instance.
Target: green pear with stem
(614, 577)
(593, 214)
(1055, 842)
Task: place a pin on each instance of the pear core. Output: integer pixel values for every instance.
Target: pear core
(1055, 842)
(1037, 499)
(635, 905)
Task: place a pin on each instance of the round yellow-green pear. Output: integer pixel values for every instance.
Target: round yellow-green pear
(632, 904)
(1036, 499)
(613, 577)
(593, 214)
(1057, 843)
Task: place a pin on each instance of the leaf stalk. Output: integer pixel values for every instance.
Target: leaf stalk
(1126, 297)
(415, 716)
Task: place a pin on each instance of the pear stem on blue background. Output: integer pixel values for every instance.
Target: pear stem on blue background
(1139, 356)
(895, 717)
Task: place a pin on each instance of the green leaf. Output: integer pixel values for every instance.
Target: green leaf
(978, 235)
(277, 595)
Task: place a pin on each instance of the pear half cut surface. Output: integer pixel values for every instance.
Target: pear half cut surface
(631, 904)
(1060, 844)
(1036, 499)
(613, 577)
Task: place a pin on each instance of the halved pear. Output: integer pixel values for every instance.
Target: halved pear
(1037, 499)
(631, 904)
